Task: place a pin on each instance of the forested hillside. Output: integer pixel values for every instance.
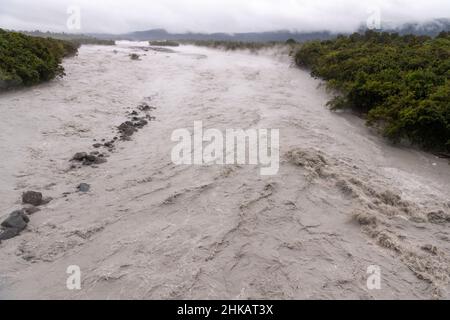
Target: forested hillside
(400, 82)
(26, 60)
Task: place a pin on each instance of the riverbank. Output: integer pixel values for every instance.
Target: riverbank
(26, 61)
(399, 82)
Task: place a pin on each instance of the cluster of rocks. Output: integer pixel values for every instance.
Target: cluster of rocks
(145, 107)
(137, 119)
(18, 220)
(89, 159)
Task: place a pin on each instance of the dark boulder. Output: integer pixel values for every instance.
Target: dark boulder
(141, 123)
(146, 107)
(127, 129)
(438, 217)
(18, 219)
(9, 233)
(91, 159)
(32, 197)
(84, 187)
(80, 156)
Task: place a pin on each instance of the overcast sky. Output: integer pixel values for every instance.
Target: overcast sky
(120, 16)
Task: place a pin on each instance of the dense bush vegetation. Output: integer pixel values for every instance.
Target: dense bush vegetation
(26, 60)
(234, 45)
(164, 43)
(400, 82)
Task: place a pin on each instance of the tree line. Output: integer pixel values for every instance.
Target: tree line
(401, 83)
(26, 60)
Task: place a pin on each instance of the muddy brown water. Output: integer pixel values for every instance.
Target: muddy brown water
(343, 200)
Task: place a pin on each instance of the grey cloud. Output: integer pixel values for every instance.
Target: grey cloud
(118, 16)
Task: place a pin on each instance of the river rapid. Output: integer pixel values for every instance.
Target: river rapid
(344, 199)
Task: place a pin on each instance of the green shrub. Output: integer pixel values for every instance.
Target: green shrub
(233, 45)
(401, 82)
(26, 60)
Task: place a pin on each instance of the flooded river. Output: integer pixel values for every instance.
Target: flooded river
(344, 199)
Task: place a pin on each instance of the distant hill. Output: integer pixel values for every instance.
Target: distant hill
(431, 28)
(161, 34)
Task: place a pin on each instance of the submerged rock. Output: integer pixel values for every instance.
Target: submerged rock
(438, 217)
(33, 198)
(140, 123)
(14, 224)
(134, 56)
(18, 219)
(127, 129)
(80, 156)
(109, 144)
(84, 187)
(9, 233)
(145, 107)
(88, 159)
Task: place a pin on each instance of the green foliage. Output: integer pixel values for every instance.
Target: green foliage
(400, 82)
(164, 43)
(291, 42)
(26, 60)
(234, 45)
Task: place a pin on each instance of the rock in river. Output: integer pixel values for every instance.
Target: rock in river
(33, 198)
(14, 224)
(80, 156)
(127, 129)
(84, 187)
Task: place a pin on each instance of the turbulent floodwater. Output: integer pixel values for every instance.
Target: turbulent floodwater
(343, 199)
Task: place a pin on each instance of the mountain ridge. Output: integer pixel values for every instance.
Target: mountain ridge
(429, 28)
